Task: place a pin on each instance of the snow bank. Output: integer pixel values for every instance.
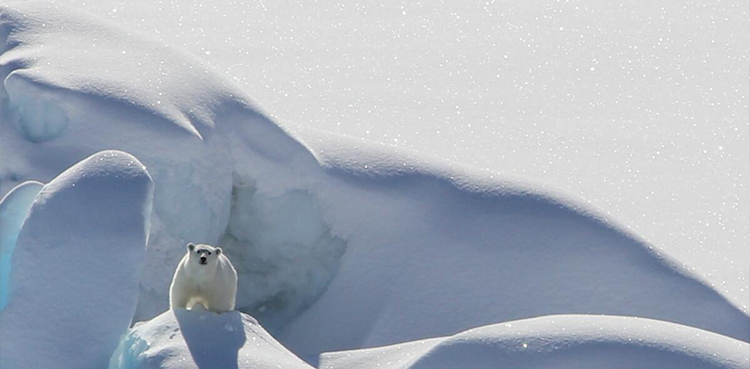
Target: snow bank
(562, 341)
(76, 266)
(200, 339)
(13, 210)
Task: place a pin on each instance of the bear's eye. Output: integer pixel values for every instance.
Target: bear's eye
(198, 252)
(209, 252)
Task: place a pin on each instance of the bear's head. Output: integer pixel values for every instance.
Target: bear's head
(201, 254)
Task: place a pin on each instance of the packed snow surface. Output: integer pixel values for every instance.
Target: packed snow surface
(13, 210)
(195, 339)
(76, 266)
(558, 341)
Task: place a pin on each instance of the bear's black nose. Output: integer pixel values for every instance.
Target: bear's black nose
(203, 259)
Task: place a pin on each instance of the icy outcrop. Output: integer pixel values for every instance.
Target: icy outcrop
(561, 341)
(13, 210)
(289, 253)
(200, 339)
(76, 266)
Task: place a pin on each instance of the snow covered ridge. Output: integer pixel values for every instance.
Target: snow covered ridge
(558, 341)
(337, 246)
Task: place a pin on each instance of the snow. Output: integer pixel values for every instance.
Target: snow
(189, 339)
(432, 252)
(560, 341)
(13, 209)
(340, 243)
(638, 108)
(76, 265)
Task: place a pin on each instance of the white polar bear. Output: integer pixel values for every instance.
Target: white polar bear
(204, 276)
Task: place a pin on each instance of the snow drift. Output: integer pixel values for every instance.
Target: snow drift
(76, 266)
(200, 339)
(339, 244)
(561, 341)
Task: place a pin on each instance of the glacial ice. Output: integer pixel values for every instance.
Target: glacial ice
(289, 254)
(79, 255)
(13, 210)
(37, 116)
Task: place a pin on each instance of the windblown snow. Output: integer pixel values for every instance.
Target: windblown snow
(339, 244)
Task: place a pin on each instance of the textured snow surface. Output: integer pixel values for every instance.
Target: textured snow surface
(200, 339)
(76, 266)
(13, 210)
(558, 341)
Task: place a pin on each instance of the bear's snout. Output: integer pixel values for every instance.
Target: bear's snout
(203, 259)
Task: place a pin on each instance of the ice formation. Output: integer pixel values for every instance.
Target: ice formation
(13, 210)
(76, 266)
(558, 341)
(200, 339)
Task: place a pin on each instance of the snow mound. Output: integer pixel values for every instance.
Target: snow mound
(200, 339)
(433, 251)
(201, 139)
(76, 266)
(13, 210)
(562, 341)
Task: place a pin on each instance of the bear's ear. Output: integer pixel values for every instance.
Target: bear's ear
(190, 246)
(218, 251)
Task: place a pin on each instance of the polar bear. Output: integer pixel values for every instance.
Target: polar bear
(204, 276)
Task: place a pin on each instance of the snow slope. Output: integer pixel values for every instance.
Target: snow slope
(558, 341)
(346, 245)
(433, 252)
(76, 266)
(638, 108)
(13, 209)
(200, 339)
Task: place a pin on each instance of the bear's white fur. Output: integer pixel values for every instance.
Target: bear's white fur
(204, 276)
